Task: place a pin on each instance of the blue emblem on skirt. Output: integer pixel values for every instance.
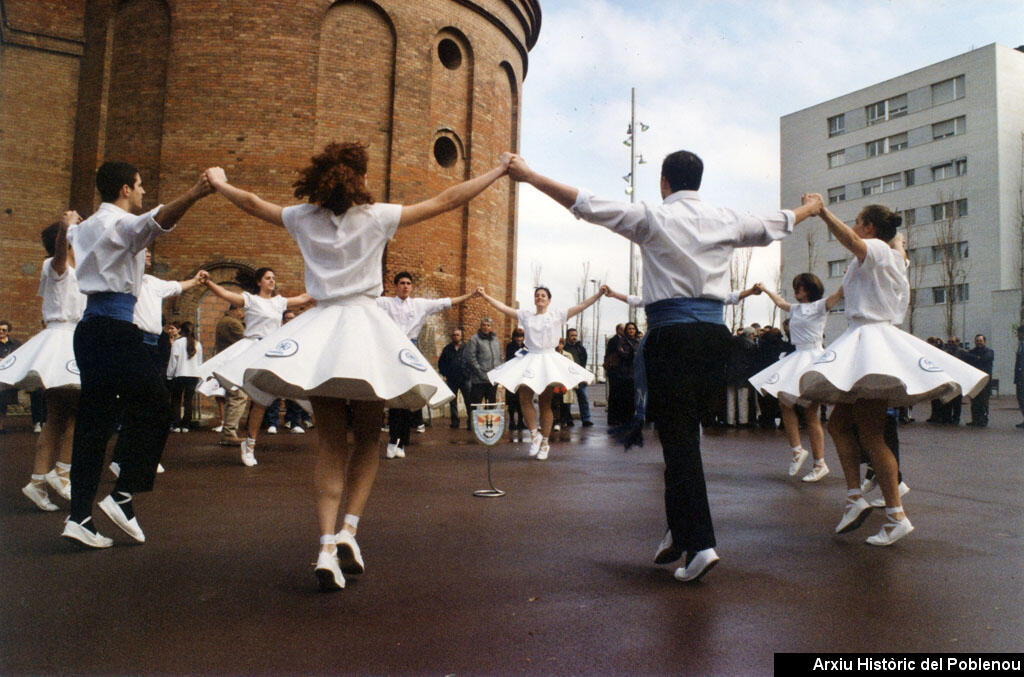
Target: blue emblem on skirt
(774, 378)
(411, 359)
(285, 348)
(928, 365)
(8, 362)
(826, 357)
(72, 366)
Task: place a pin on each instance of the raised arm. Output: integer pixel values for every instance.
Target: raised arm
(561, 193)
(775, 297)
(453, 197)
(189, 283)
(168, 215)
(580, 307)
(753, 291)
(229, 296)
(248, 202)
(811, 204)
(59, 264)
(631, 301)
(844, 234)
(501, 307)
(462, 299)
(835, 298)
(297, 301)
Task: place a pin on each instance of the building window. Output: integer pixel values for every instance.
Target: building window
(940, 172)
(959, 293)
(887, 109)
(918, 256)
(960, 166)
(941, 130)
(954, 251)
(909, 217)
(871, 186)
(908, 177)
(948, 90)
(897, 142)
(949, 210)
(837, 125)
(892, 182)
(836, 158)
(837, 194)
(890, 144)
(837, 268)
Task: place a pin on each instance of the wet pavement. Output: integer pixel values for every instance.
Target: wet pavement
(555, 577)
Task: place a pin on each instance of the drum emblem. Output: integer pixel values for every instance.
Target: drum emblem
(285, 348)
(928, 365)
(8, 362)
(72, 366)
(411, 359)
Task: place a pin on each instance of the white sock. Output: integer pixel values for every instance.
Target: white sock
(65, 467)
(352, 521)
(38, 480)
(797, 449)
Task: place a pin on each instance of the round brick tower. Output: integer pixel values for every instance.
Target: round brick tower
(433, 87)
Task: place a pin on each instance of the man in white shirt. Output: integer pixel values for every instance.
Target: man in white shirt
(111, 355)
(686, 247)
(410, 314)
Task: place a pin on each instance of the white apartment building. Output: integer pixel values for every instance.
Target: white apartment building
(943, 146)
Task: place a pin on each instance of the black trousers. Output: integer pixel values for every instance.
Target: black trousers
(685, 365)
(183, 390)
(979, 406)
(453, 406)
(114, 362)
(399, 425)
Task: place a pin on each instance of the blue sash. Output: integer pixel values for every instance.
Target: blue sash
(112, 304)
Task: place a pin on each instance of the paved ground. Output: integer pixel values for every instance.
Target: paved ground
(554, 578)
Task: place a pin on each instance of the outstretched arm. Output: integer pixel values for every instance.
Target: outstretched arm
(300, 300)
(59, 264)
(168, 215)
(776, 299)
(229, 296)
(453, 197)
(811, 204)
(753, 291)
(501, 307)
(248, 202)
(835, 298)
(561, 193)
(844, 234)
(189, 283)
(579, 308)
(465, 297)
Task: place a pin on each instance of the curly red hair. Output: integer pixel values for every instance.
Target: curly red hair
(336, 178)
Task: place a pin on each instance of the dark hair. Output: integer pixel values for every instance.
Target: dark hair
(546, 290)
(6, 324)
(626, 327)
(403, 274)
(250, 282)
(111, 176)
(190, 339)
(683, 170)
(883, 219)
(811, 284)
(336, 178)
(49, 237)
(571, 329)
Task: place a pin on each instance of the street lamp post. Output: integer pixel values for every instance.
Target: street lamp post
(634, 160)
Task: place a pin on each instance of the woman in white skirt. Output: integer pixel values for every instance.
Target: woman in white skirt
(345, 351)
(540, 368)
(874, 365)
(806, 331)
(47, 360)
(264, 313)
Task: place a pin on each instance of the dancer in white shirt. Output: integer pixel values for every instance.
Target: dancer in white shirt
(807, 331)
(47, 360)
(263, 316)
(324, 355)
(539, 368)
(874, 365)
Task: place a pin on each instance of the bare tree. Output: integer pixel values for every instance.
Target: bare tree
(535, 272)
(1020, 233)
(950, 251)
(916, 272)
(776, 283)
(812, 250)
(582, 293)
(739, 270)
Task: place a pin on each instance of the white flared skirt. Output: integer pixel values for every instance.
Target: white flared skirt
(539, 369)
(47, 360)
(209, 386)
(347, 350)
(781, 379)
(877, 361)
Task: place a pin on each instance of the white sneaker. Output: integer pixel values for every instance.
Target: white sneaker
(218, 429)
(37, 428)
(390, 453)
(38, 495)
(175, 430)
(542, 453)
(880, 502)
(535, 440)
(698, 566)
(421, 428)
(854, 514)
(328, 573)
(248, 454)
(184, 430)
(349, 557)
(818, 471)
(798, 460)
(59, 483)
(399, 451)
(893, 530)
(272, 430)
(297, 429)
(115, 468)
(117, 516)
(77, 532)
(556, 427)
(160, 468)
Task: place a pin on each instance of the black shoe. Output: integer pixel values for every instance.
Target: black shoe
(588, 424)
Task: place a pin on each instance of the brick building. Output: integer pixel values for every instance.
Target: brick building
(433, 87)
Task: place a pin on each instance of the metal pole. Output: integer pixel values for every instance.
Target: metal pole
(634, 251)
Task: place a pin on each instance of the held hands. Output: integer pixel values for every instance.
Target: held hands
(759, 287)
(518, 170)
(479, 291)
(70, 218)
(216, 177)
(202, 277)
(605, 290)
(814, 201)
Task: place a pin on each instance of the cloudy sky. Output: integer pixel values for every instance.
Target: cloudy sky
(711, 76)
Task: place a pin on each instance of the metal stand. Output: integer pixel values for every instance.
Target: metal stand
(489, 436)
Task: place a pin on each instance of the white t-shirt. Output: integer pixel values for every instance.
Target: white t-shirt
(541, 331)
(876, 288)
(149, 303)
(342, 253)
(411, 314)
(807, 323)
(110, 249)
(180, 363)
(62, 302)
(263, 316)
